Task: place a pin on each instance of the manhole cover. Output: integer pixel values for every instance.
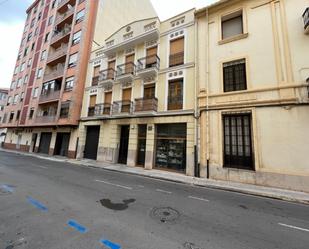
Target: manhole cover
(165, 214)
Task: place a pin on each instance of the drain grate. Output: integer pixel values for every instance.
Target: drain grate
(165, 214)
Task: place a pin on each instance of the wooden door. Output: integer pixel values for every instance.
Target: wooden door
(111, 69)
(149, 91)
(129, 67)
(151, 58)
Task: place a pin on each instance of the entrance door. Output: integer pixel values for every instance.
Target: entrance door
(34, 138)
(124, 144)
(45, 142)
(18, 141)
(62, 144)
(238, 141)
(92, 142)
(141, 147)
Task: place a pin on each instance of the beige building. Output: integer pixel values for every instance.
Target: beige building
(253, 73)
(139, 101)
(3, 102)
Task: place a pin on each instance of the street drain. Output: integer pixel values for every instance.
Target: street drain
(189, 245)
(165, 214)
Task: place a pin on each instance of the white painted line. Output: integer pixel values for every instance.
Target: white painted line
(294, 227)
(163, 191)
(197, 198)
(42, 167)
(116, 185)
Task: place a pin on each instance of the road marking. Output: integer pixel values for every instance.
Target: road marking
(110, 244)
(294, 227)
(37, 204)
(116, 185)
(163, 191)
(78, 227)
(42, 167)
(7, 188)
(197, 198)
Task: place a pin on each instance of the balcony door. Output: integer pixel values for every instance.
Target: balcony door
(111, 67)
(149, 91)
(129, 68)
(126, 100)
(151, 56)
(92, 103)
(107, 102)
(176, 52)
(175, 95)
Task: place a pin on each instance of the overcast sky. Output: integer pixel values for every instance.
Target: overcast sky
(12, 17)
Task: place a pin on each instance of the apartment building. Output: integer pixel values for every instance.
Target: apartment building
(253, 75)
(45, 97)
(139, 100)
(3, 100)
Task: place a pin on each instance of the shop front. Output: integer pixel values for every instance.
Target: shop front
(171, 140)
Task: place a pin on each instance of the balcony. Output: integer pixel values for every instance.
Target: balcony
(91, 111)
(176, 59)
(107, 76)
(55, 73)
(95, 80)
(61, 36)
(56, 56)
(148, 66)
(103, 109)
(126, 72)
(65, 17)
(49, 96)
(146, 105)
(306, 20)
(46, 119)
(122, 107)
(62, 5)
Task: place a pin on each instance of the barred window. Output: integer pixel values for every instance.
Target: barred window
(234, 76)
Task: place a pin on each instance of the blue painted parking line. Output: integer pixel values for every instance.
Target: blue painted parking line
(110, 244)
(78, 227)
(37, 204)
(7, 188)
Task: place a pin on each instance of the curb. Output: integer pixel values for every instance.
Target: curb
(209, 186)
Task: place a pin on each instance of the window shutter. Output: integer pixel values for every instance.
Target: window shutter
(93, 100)
(96, 71)
(126, 94)
(232, 27)
(111, 64)
(108, 98)
(177, 46)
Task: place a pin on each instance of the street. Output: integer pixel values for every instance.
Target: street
(47, 205)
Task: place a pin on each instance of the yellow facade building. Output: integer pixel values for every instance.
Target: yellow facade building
(253, 72)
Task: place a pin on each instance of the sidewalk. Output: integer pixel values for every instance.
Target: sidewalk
(275, 193)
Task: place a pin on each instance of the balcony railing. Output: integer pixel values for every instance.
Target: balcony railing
(107, 74)
(61, 3)
(53, 74)
(122, 107)
(175, 103)
(126, 69)
(46, 119)
(95, 80)
(103, 109)
(62, 51)
(50, 95)
(152, 61)
(144, 105)
(91, 111)
(65, 15)
(60, 34)
(306, 19)
(176, 59)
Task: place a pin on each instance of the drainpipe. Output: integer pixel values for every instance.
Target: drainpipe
(207, 96)
(196, 109)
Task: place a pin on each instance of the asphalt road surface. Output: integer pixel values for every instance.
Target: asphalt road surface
(48, 205)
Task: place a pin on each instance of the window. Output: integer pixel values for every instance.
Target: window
(35, 92)
(22, 96)
(9, 100)
(18, 115)
(232, 25)
(15, 100)
(31, 112)
(39, 16)
(39, 73)
(29, 37)
(16, 70)
(69, 83)
(76, 37)
(11, 116)
(54, 4)
(175, 94)
(238, 141)
(22, 67)
(29, 62)
(19, 82)
(26, 79)
(149, 91)
(32, 23)
(13, 85)
(176, 52)
(32, 46)
(92, 103)
(36, 31)
(80, 16)
(234, 76)
(43, 55)
(72, 60)
(26, 51)
(50, 20)
(64, 111)
(46, 37)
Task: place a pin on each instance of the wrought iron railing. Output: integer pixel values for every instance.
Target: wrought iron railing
(176, 59)
(123, 106)
(144, 104)
(107, 74)
(126, 68)
(103, 109)
(152, 61)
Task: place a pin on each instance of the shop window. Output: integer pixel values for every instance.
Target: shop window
(238, 141)
(234, 76)
(232, 25)
(175, 95)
